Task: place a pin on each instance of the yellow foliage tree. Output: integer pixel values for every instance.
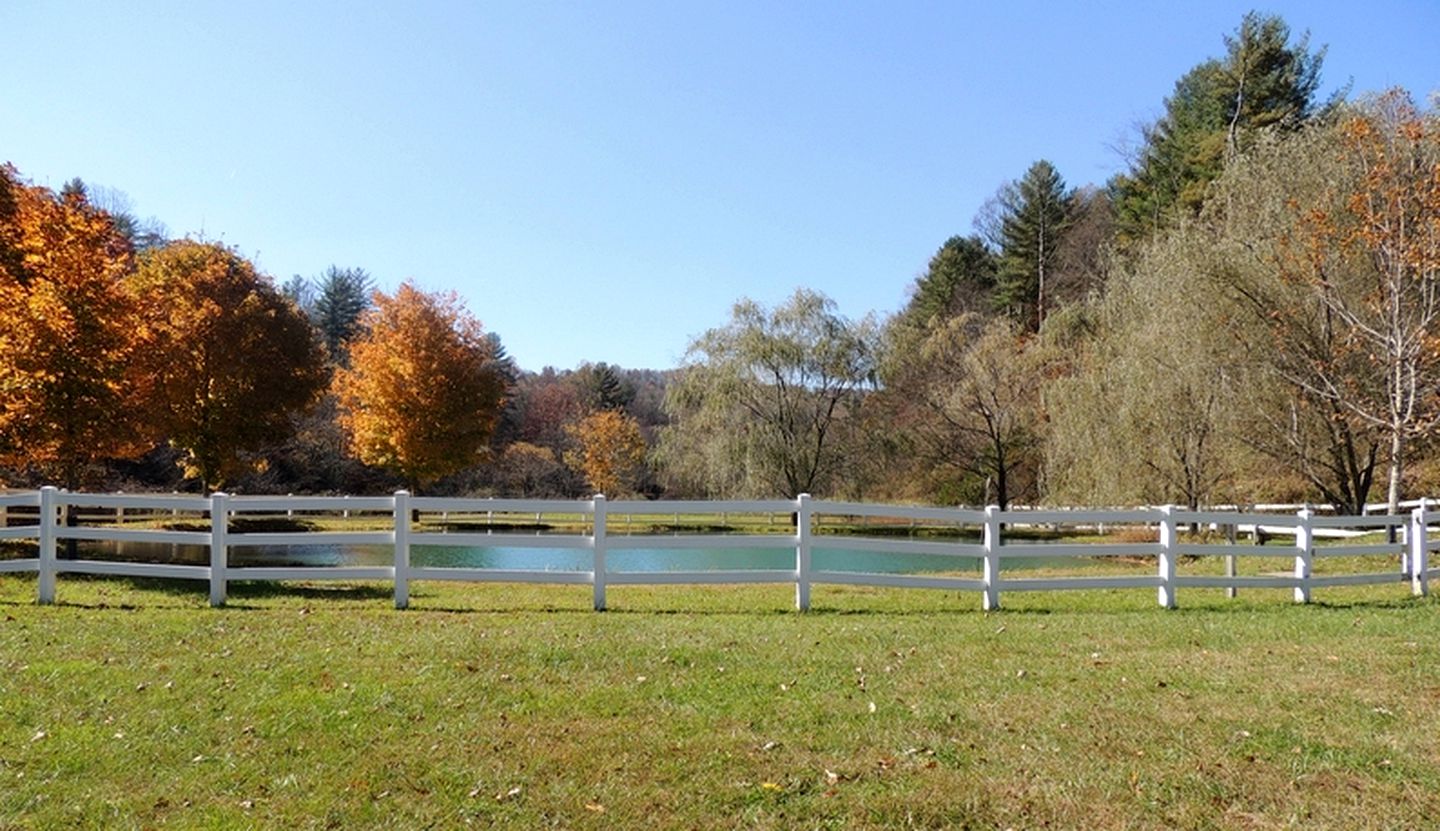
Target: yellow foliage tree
(232, 359)
(611, 452)
(421, 395)
(69, 392)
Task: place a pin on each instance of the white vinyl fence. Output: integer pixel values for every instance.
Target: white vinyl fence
(604, 527)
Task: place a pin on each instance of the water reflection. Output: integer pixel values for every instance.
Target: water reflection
(617, 559)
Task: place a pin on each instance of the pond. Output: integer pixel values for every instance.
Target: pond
(617, 558)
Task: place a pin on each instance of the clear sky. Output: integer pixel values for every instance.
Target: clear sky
(601, 180)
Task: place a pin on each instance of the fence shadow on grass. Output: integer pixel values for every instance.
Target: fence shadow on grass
(260, 590)
(165, 587)
(198, 592)
(157, 592)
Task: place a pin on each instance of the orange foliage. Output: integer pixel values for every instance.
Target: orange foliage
(1396, 212)
(420, 397)
(549, 404)
(611, 452)
(232, 359)
(69, 395)
(1371, 249)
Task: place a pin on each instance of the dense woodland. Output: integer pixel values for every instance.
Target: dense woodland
(1248, 312)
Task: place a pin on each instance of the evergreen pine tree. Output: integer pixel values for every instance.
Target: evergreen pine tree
(1033, 219)
(601, 387)
(1262, 82)
(960, 278)
(341, 296)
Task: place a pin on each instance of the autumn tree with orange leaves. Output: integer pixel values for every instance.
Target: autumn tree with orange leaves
(70, 395)
(1369, 251)
(610, 453)
(421, 395)
(233, 360)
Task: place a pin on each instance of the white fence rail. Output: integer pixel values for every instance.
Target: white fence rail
(38, 516)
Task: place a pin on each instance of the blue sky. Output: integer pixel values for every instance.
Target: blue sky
(601, 181)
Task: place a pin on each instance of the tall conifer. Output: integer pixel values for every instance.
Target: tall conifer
(1033, 221)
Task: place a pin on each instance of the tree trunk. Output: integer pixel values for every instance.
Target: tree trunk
(1002, 487)
(71, 550)
(1397, 462)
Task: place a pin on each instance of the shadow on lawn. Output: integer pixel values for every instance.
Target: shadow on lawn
(193, 593)
(258, 590)
(199, 591)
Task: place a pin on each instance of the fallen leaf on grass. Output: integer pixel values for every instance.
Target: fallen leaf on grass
(595, 807)
(772, 787)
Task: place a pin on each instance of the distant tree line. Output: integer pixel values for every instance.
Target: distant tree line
(130, 360)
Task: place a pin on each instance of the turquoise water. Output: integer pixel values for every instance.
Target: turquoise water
(617, 558)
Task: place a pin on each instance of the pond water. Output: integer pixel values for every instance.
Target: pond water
(617, 558)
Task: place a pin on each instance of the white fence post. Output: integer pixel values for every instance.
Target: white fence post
(1304, 554)
(1166, 593)
(802, 552)
(219, 550)
(1232, 565)
(597, 538)
(1405, 570)
(47, 546)
(402, 549)
(991, 561)
(1419, 539)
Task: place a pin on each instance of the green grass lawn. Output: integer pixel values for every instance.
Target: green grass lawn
(132, 704)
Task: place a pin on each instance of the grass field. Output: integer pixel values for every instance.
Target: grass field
(134, 705)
